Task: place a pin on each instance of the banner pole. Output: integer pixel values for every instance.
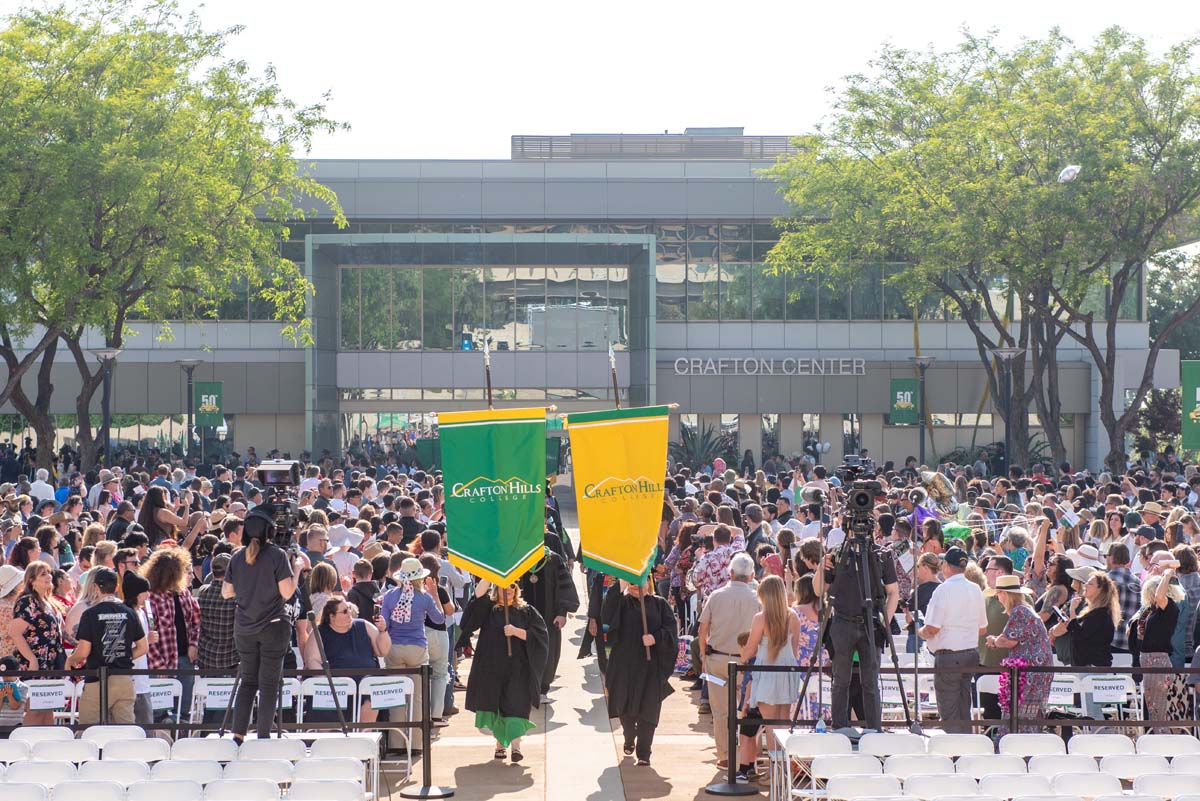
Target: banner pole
(507, 639)
(645, 629)
(612, 366)
(487, 372)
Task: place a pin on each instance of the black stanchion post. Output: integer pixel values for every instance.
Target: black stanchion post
(1014, 695)
(427, 789)
(730, 785)
(103, 694)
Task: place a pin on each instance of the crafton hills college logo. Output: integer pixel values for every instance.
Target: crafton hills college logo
(612, 488)
(483, 489)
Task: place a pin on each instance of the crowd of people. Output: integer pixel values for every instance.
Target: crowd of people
(1032, 568)
(136, 569)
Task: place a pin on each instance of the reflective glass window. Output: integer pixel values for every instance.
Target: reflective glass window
(558, 319)
(376, 292)
(868, 292)
(702, 291)
(469, 298)
(735, 251)
(671, 233)
(235, 307)
(702, 252)
(703, 232)
(768, 289)
(406, 308)
(592, 307)
(740, 232)
(530, 305)
(834, 301)
(735, 291)
(618, 305)
(349, 309)
(801, 288)
(437, 309)
(670, 291)
(501, 306)
(770, 435)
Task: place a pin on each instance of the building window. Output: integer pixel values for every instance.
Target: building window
(851, 433)
(735, 290)
(770, 435)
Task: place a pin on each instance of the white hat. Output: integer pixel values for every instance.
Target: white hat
(342, 537)
(410, 570)
(1086, 555)
(10, 577)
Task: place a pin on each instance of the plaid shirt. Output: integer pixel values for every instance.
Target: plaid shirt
(216, 627)
(164, 654)
(712, 571)
(1129, 590)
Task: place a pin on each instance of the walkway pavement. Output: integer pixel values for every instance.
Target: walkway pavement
(574, 754)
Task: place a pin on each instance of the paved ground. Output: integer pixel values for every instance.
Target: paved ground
(575, 752)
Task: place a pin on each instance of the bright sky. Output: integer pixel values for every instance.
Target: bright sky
(436, 79)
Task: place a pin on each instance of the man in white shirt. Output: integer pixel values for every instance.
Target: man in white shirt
(954, 619)
(41, 489)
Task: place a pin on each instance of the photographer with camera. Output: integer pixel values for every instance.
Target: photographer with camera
(261, 577)
(848, 628)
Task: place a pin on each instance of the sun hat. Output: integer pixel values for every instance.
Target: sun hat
(1011, 584)
(10, 577)
(410, 570)
(1086, 555)
(1082, 574)
(1153, 508)
(342, 537)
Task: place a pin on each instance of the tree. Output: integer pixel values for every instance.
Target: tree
(1170, 285)
(171, 173)
(950, 162)
(1159, 422)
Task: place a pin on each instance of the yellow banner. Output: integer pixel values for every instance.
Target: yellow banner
(619, 459)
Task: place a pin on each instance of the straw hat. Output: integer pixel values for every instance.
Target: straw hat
(410, 570)
(1084, 573)
(1086, 555)
(1011, 584)
(10, 577)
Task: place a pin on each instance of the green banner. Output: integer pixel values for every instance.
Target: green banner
(553, 455)
(210, 403)
(494, 470)
(1189, 374)
(429, 453)
(905, 400)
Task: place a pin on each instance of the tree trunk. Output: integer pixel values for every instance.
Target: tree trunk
(37, 411)
(86, 440)
(1045, 386)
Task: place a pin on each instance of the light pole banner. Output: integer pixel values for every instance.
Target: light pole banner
(619, 459)
(904, 403)
(494, 470)
(1189, 374)
(209, 402)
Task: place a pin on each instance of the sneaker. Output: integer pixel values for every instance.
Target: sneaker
(451, 710)
(741, 778)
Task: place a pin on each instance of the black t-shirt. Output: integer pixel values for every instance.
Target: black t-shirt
(443, 599)
(112, 628)
(847, 587)
(412, 529)
(257, 588)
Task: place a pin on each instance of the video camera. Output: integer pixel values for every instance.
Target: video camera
(279, 478)
(861, 487)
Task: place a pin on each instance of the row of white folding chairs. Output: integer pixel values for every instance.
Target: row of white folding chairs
(212, 694)
(165, 694)
(884, 744)
(1124, 766)
(222, 790)
(1028, 798)
(128, 772)
(130, 742)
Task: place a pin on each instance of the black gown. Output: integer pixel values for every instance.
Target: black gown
(550, 590)
(637, 687)
(596, 594)
(508, 686)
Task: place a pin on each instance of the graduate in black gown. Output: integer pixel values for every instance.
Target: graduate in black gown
(550, 589)
(594, 633)
(503, 690)
(637, 686)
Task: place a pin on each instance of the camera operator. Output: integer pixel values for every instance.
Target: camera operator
(261, 577)
(848, 632)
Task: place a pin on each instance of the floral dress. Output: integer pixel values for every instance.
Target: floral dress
(809, 629)
(1033, 649)
(44, 634)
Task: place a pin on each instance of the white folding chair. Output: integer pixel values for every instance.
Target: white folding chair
(316, 688)
(176, 790)
(152, 749)
(167, 694)
(1053, 764)
(325, 790)
(242, 790)
(1168, 745)
(200, 771)
(204, 749)
(1032, 744)
(123, 772)
(1186, 763)
(14, 751)
(803, 748)
(928, 786)
(103, 735)
(957, 745)
(979, 765)
(1134, 797)
(47, 773)
(291, 750)
(273, 770)
(1130, 766)
(319, 769)
(1099, 745)
(364, 749)
(905, 765)
(1047, 798)
(1086, 785)
(210, 695)
(1116, 693)
(1063, 689)
(76, 751)
(1009, 785)
(852, 787)
(1192, 797)
(25, 791)
(36, 734)
(884, 744)
(58, 695)
(824, 768)
(87, 791)
(1169, 786)
(975, 797)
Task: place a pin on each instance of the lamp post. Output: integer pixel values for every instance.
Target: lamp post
(106, 356)
(1006, 356)
(923, 363)
(189, 366)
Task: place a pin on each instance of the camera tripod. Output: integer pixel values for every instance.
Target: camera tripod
(856, 552)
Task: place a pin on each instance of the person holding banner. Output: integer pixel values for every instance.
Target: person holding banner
(641, 662)
(504, 687)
